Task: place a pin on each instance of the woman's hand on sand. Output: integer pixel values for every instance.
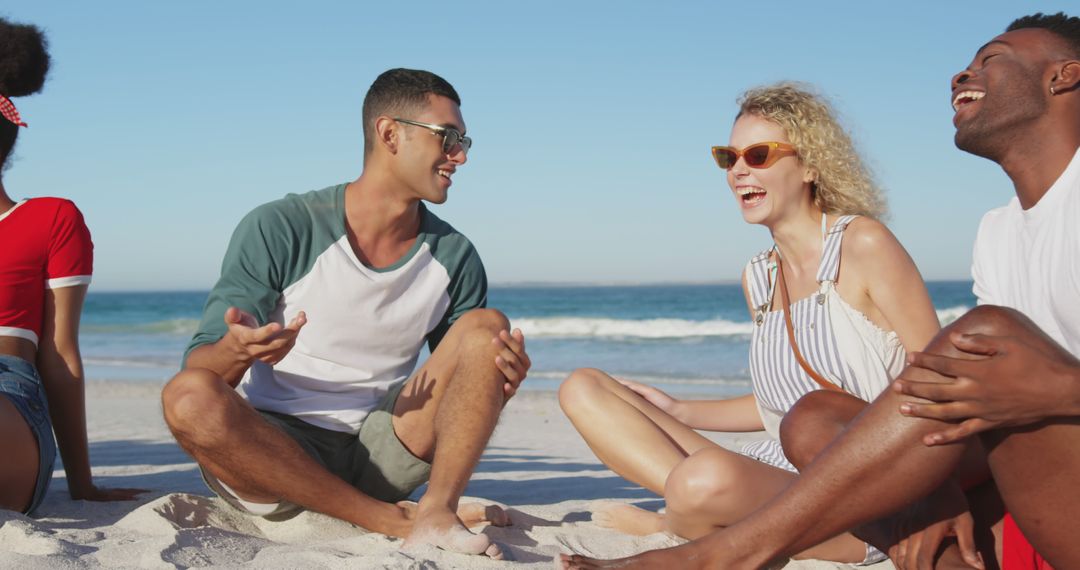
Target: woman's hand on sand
(268, 343)
(94, 493)
(1011, 383)
(654, 396)
(512, 360)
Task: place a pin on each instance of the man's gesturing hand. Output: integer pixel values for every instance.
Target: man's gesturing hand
(268, 343)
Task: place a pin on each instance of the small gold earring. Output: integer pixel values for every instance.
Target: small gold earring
(1052, 92)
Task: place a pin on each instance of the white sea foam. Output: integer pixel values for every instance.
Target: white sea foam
(946, 316)
(582, 327)
(182, 327)
(616, 329)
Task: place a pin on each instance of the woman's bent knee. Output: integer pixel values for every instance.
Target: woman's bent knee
(701, 480)
(581, 389)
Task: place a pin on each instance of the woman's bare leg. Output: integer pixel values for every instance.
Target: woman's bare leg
(628, 434)
(19, 448)
(715, 488)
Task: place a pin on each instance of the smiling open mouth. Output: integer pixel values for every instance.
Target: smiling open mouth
(751, 195)
(965, 97)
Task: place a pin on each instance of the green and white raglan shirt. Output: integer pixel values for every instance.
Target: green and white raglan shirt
(365, 326)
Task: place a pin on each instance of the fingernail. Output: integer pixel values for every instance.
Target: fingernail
(905, 409)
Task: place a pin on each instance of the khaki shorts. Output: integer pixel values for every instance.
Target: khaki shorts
(375, 461)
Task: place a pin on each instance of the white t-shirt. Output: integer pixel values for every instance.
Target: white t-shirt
(1029, 260)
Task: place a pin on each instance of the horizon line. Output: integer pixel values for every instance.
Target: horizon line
(525, 284)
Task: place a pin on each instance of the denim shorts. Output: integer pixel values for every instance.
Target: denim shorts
(19, 381)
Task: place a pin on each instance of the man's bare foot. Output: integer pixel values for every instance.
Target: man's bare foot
(474, 514)
(666, 558)
(442, 528)
(471, 514)
(626, 518)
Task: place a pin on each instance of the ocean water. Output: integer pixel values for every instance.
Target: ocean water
(683, 338)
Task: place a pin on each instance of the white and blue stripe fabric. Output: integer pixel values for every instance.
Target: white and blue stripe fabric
(838, 342)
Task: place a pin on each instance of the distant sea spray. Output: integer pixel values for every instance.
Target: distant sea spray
(584, 327)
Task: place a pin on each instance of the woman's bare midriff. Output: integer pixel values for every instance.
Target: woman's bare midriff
(20, 347)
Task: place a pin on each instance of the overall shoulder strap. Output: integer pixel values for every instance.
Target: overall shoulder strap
(830, 252)
(757, 279)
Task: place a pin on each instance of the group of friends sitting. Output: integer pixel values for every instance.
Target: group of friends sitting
(888, 436)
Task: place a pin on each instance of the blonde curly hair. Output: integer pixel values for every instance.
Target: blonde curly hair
(843, 184)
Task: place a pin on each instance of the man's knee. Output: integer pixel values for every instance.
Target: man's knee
(815, 420)
(989, 320)
(195, 398)
(485, 320)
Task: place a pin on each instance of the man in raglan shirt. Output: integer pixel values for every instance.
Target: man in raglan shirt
(324, 303)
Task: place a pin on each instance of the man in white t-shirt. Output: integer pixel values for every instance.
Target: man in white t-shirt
(996, 394)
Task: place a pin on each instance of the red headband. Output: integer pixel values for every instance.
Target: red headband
(7, 109)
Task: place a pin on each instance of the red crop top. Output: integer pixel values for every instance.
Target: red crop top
(44, 244)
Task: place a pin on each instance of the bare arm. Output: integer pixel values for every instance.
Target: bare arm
(60, 366)
(891, 283)
(243, 344)
(735, 414)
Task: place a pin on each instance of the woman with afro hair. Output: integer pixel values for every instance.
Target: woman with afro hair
(46, 258)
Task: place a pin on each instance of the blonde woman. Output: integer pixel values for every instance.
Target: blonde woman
(792, 168)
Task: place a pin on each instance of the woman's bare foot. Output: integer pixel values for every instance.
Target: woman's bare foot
(471, 514)
(626, 518)
(442, 528)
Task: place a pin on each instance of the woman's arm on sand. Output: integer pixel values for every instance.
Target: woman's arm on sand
(60, 366)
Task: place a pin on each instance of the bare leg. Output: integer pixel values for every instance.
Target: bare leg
(1035, 469)
(19, 448)
(263, 465)
(716, 488)
(877, 467)
(610, 417)
(445, 415)
(631, 436)
(821, 416)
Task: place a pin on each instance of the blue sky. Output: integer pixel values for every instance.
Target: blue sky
(592, 122)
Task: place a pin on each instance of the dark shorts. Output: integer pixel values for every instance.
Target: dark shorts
(19, 381)
(375, 461)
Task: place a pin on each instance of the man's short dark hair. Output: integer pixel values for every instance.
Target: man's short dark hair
(401, 93)
(1061, 25)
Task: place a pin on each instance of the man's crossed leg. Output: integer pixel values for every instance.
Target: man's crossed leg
(442, 417)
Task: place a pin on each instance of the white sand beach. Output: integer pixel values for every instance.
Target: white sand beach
(536, 466)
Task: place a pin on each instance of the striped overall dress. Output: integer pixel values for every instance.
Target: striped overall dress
(838, 342)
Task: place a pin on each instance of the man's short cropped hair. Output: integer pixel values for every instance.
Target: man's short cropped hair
(1061, 25)
(401, 93)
